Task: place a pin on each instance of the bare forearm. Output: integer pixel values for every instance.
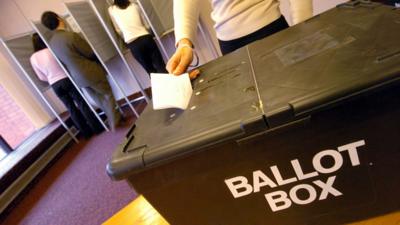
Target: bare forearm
(301, 10)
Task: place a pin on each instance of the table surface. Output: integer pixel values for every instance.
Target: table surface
(140, 212)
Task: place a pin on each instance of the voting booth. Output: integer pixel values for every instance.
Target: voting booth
(100, 9)
(302, 127)
(158, 16)
(98, 39)
(46, 35)
(20, 49)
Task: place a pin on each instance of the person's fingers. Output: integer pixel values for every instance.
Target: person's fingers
(181, 68)
(194, 73)
(172, 63)
(186, 56)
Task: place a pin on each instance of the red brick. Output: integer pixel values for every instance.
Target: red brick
(15, 126)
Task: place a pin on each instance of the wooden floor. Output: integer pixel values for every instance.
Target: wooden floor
(140, 212)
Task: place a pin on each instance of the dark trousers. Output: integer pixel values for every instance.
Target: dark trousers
(81, 115)
(146, 52)
(272, 28)
(102, 95)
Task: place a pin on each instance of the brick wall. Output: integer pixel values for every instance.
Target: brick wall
(14, 125)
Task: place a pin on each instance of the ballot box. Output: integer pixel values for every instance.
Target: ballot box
(302, 127)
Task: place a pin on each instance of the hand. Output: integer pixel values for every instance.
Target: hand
(182, 58)
(194, 74)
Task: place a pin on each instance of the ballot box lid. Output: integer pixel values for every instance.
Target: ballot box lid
(224, 106)
(343, 53)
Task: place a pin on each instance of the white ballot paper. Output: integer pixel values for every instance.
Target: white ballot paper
(170, 91)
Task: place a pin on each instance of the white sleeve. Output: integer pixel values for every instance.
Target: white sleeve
(186, 16)
(301, 10)
(116, 27)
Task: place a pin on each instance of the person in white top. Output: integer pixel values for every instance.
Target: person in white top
(237, 23)
(47, 69)
(128, 23)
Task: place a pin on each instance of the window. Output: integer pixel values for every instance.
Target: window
(15, 126)
(4, 148)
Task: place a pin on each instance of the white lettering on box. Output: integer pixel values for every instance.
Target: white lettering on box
(352, 149)
(261, 180)
(236, 183)
(278, 177)
(316, 190)
(327, 188)
(299, 172)
(337, 157)
(278, 200)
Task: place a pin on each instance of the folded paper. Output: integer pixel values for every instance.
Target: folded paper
(170, 91)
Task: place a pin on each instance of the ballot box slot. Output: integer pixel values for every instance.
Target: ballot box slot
(222, 74)
(205, 88)
(217, 78)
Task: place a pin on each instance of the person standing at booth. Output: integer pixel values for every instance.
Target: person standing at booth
(47, 69)
(79, 59)
(237, 23)
(128, 22)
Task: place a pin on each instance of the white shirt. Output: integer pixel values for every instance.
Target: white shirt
(235, 18)
(128, 22)
(46, 66)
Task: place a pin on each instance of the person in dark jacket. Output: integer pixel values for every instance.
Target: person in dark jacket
(47, 69)
(81, 62)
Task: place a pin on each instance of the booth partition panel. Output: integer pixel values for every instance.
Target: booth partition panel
(100, 8)
(20, 50)
(159, 13)
(98, 38)
(83, 14)
(46, 34)
(161, 21)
